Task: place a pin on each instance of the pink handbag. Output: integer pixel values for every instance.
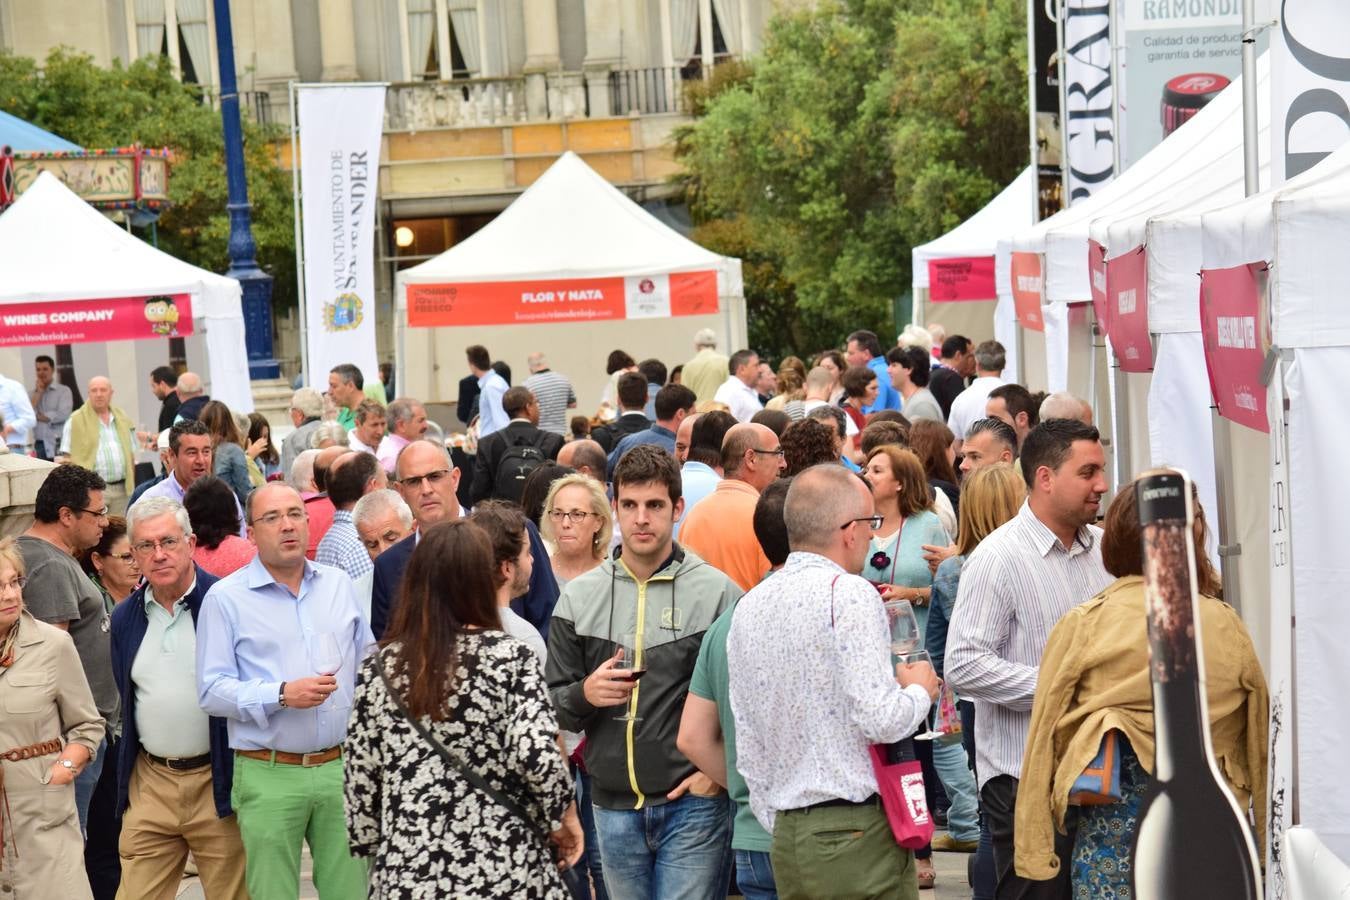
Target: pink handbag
(900, 785)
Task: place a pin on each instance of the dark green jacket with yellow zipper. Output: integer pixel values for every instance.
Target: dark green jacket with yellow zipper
(634, 764)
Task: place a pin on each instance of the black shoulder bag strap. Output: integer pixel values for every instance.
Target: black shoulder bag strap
(444, 753)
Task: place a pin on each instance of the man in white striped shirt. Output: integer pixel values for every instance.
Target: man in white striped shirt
(1014, 588)
(554, 393)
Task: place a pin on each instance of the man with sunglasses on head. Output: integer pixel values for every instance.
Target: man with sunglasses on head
(278, 646)
(68, 518)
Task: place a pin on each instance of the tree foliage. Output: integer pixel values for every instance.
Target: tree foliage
(864, 128)
(69, 95)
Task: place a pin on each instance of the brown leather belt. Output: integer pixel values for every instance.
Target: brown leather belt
(317, 758)
(46, 748)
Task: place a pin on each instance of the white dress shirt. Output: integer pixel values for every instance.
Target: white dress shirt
(1014, 587)
(968, 407)
(812, 687)
(740, 398)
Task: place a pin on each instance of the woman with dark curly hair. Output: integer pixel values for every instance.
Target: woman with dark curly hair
(215, 522)
(808, 443)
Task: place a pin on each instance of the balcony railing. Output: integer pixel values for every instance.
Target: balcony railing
(454, 104)
(651, 91)
(254, 105)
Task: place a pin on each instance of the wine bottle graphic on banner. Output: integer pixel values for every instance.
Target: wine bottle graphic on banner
(1192, 840)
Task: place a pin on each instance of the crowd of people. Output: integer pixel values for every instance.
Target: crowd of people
(642, 654)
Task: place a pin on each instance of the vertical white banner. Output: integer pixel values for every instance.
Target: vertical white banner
(1309, 84)
(1280, 671)
(1089, 123)
(340, 130)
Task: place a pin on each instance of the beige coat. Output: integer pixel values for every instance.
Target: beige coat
(43, 695)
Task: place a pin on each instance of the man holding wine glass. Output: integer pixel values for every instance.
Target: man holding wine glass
(812, 687)
(281, 640)
(1014, 588)
(664, 828)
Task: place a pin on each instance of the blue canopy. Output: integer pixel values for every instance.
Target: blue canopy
(22, 136)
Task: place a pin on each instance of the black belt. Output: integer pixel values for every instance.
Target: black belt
(873, 800)
(179, 763)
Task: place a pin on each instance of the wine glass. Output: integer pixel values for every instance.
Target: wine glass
(905, 635)
(326, 653)
(914, 658)
(632, 665)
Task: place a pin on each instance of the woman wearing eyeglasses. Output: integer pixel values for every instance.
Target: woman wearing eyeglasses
(111, 565)
(49, 729)
(895, 564)
(576, 526)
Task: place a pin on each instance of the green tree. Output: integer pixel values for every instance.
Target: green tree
(865, 127)
(144, 103)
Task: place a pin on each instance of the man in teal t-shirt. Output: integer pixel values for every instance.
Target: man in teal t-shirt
(708, 729)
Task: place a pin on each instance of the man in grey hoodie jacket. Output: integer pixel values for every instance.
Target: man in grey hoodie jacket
(664, 828)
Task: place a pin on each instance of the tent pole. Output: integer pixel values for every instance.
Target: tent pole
(1230, 549)
(302, 307)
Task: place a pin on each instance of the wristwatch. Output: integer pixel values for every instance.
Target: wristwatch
(68, 764)
(281, 694)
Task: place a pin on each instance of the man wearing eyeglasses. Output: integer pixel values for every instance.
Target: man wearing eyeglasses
(259, 666)
(174, 765)
(720, 528)
(812, 686)
(428, 481)
(69, 517)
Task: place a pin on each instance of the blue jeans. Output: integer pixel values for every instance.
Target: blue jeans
(590, 857)
(85, 783)
(959, 782)
(754, 875)
(676, 851)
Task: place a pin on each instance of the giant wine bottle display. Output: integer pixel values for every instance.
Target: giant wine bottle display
(1192, 839)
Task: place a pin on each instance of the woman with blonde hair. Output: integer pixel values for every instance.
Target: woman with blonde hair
(991, 496)
(576, 525)
(1094, 685)
(48, 734)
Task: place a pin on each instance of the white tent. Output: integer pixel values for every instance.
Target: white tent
(571, 227)
(1302, 229)
(981, 237)
(55, 248)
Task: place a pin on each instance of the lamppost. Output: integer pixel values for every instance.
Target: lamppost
(256, 284)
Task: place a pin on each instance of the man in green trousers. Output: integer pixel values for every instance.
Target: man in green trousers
(279, 642)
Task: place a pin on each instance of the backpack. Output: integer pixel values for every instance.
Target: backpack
(513, 468)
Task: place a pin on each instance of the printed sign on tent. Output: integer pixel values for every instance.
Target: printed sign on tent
(958, 279)
(1127, 304)
(82, 321)
(1097, 270)
(1309, 84)
(1235, 341)
(1026, 288)
(562, 300)
(340, 131)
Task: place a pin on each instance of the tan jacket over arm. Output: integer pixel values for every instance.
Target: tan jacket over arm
(1094, 678)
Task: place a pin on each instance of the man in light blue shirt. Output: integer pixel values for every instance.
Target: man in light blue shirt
(863, 349)
(278, 646)
(491, 415)
(698, 450)
(17, 411)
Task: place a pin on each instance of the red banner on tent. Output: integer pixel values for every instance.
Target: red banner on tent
(1097, 270)
(562, 300)
(81, 321)
(961, 279)
(1236, 340)
(1127, 302)
(1026, 288)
